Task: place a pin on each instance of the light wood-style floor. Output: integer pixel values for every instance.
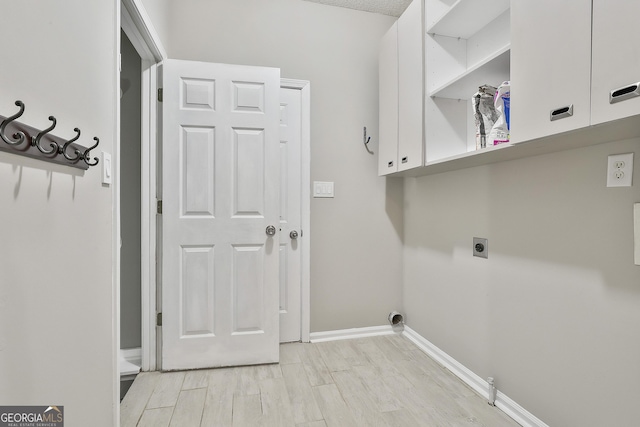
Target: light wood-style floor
(378, 381)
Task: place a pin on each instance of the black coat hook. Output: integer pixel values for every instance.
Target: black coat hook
(366, 141)
(36, 140)
(85, 156)
(63, 149)
(18, 137)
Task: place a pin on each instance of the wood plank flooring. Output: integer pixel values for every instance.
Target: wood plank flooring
(377, 381)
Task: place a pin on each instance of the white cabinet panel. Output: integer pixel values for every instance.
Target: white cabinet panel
(550, 67)
(388, 102)
(616, 58)
(410, 87)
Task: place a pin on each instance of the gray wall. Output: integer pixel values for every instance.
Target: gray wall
(57, 326)
(553, 313)
(130, 175)
(356, 249)
(158, 12)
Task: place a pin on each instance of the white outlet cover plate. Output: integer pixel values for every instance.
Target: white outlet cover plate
(620, 170)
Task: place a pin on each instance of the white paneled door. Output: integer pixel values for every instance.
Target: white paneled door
(220, 192)
(290, 213)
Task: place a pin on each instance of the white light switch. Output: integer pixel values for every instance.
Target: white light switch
(636, 233)
(322, 189)
(106, 168)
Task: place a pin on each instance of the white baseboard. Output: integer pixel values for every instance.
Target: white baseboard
(346, 334)
(132, 355)
(504, 403)
(130, 362)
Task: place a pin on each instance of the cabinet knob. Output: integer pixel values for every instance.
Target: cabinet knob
(390, 164)
(271, 230)
(405, 159)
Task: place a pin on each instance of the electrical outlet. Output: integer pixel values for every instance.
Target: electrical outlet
(620, 170)
(480, 247)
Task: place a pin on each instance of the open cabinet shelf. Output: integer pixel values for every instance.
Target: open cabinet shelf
(467, 17)
(492, 70)
(470, 46)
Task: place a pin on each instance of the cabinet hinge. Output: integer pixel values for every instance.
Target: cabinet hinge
(159, 207)
(158, 319)
(160, 95)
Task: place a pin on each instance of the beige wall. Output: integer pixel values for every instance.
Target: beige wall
(553, 313)
(57, 338)
(158, 11)
(356, 237)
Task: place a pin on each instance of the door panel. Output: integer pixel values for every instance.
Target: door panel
(220, 192)
(197, 191)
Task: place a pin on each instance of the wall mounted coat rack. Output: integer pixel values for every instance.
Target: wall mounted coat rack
(18, 138)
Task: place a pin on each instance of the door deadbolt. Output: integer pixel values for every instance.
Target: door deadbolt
(293, 234)
(271, 230)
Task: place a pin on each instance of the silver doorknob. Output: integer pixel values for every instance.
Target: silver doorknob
(271, 230)
(293, 234)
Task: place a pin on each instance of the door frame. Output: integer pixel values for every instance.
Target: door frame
(304, 86)
(136, 24)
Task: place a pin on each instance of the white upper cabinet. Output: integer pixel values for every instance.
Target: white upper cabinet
(410, 87)
(582, 69)
(388, 101)
(401, 97)
(550, 67)
(616, 60)
(573, 67)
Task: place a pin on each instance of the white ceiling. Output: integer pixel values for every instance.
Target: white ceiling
(385, 7)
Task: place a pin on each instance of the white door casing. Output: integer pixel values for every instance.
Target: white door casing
(220, 193)
(290, 214)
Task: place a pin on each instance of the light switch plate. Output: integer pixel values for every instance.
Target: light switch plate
(322, 189)
(106, 168)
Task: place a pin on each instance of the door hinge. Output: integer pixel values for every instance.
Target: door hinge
(159, 207)
(160, 95)
(158, 319)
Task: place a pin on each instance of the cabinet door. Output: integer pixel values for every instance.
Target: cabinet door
(410, 87)
(616, 59)
(550, 67)
(388, 102)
